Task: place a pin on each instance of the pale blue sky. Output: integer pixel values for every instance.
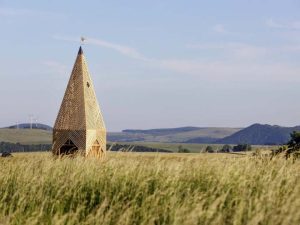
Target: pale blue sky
(158, 63)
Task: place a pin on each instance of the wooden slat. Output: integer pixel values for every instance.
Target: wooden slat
(79, 118)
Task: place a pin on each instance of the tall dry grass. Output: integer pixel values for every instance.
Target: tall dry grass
(132, 188)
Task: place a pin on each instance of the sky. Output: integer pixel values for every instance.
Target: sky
(158, 63)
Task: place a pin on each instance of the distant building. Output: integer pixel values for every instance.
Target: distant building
(79, 126)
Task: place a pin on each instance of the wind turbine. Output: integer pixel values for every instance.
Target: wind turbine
(36, 122)
(30, 119)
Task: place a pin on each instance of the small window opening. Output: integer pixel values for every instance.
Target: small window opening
(88, 84)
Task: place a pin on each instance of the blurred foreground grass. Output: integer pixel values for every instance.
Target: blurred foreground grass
(141, 188)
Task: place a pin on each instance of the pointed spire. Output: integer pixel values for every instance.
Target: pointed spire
(79, 120)
(80, 52)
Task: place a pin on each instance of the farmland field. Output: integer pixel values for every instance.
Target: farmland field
(195, 148)
(149, 188)
(26, 136)
(38, 136)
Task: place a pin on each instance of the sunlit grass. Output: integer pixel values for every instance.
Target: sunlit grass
(155, 188)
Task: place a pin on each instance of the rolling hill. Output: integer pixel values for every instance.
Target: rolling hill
(174, 135)
(33, 126)
(168, 135)
(256, 134)
(25, 136)
(259, 134)
(163, 131)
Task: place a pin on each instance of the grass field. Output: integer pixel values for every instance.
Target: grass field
(26, 136)
(194, 148)
(135, 188)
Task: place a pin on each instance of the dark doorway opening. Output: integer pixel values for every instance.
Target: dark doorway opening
(68, 148)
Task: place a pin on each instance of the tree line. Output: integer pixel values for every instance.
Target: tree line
(18, 147)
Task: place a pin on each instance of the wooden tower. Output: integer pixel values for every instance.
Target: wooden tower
(79, 126)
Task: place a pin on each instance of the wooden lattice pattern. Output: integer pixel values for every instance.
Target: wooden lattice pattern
(79, 119)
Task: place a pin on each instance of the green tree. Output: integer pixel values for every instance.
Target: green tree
(209, 149)
(292, 148)
(294, 145)
(294, 142)
(242, 147)
(226, 148)
(182, 150)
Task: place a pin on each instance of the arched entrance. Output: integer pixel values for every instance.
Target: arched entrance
(96, 146)
(96, 150)
(68, 148)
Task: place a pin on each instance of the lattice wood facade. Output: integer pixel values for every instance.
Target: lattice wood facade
(79, 126)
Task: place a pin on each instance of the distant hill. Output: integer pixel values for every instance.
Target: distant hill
(173, 135)
(25, 136)
(256, 134)
(259, 134)
(33, 126)
(163, 131)
(166, 135)
(202, 140)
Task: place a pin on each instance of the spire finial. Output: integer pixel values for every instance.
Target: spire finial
(80, 52)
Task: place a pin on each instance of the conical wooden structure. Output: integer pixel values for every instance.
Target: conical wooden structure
(79, 126)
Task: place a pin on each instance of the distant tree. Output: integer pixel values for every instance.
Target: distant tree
(294, 142)
(209, 149)
(182, 150)
(242, 147)
(226, 148)
(292, 148)
(294, 145)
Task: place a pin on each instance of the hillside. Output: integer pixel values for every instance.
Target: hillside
(25, 136)
(256, 134)
(259, 134)
(162, 131)
(33, 126)
(174, 135)
(170, 135)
